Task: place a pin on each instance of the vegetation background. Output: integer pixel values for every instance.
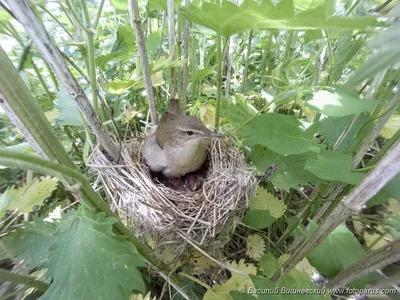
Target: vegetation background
(308, 89)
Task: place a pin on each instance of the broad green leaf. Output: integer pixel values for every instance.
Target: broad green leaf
(237, 282)
(347, 48)
(202, 73)
(390, 190)
(265, 285)
(228, 18)
(289, 173)
(123, 48)
(69, 112)
(236, 295)
(264, 210)
(255, 246)
(120, 5)
(28, 195)
(268, 264)
(391, 127)
(337, 252)
(152, 43)
(387, 54)
(282, 134)
(162, 4)
(238, 113)
(339, 103)
(333, 166)
(81, 256)
(118, 87)
(332, 127)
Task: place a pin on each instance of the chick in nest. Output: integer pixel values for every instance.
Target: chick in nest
(178, 148)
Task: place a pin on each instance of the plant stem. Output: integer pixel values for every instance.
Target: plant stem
(377, 259)
(26, 280)
(50, 52)
(98, 15)
(185, 68)
(246, 63)
(218, 41)
(376, 179)
(137, 25)
(171, 44)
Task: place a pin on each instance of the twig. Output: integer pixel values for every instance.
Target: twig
(137, 25)
(185, 69)
(246, 66)
(376, 179)
(375, 260)
(171, 46)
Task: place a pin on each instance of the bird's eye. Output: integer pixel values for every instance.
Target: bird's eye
(189, 132)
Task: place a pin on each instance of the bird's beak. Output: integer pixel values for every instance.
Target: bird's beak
(217, 135)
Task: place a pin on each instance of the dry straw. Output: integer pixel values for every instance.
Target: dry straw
(152, 210)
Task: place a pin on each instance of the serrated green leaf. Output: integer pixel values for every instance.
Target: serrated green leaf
(268, 264)
(81, 257)
(339, 103)
(266, 201)
(333, 166)
(255, 246)
(332, 127)
(239, 112)
(228, 18)
(122, 49)
(69, 112)
(289, 173)
(28, 195)
(337, 252)
(258, 219)
(282, 134)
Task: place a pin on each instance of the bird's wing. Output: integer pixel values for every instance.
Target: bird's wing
(153, 154)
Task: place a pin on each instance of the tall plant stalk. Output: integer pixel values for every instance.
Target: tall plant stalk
(171, 47)
(49, 51)
(185, 68)
(246, 62)
(140, 41)
(218, 41)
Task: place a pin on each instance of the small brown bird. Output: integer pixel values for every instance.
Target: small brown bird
(178, 147)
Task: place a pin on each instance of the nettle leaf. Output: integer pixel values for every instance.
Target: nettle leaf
(239, 112)
(282, 134)
(268, 264)
(235, 283)
(69, 112)
(24, 198)
(333, 166)
(264, 209)
(339, 103)
(337, 252)
(123, 48)
(255, 246)
(228, 18)
(289, 173)
(81, 257)
(332, 127)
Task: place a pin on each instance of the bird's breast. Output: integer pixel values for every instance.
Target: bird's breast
(185, 158)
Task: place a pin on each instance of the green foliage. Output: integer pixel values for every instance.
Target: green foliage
(69, 112)
(81, 257)
(28, 195)
(290, 171)
(333, 166)
(228, 18)
(339, 103)
(279, 133)
(264, 210)
(337, 252)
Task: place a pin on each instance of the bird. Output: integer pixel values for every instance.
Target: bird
(178, 147)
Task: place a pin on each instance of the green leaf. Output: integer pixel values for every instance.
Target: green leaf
(281, 133)
(268, 264)
(239, 112)
(28, 195)
(255, 246)
(118, 87)
(119, 5)
(347, 48)
(69, 112)
(123, 48)
(339, 103)
(333, 166)
(81, 257)
(332, 127)
(258, 219)
(202, 73)
(290, 172)
(386, 55)
(390, 190)
(337, 252)
(152, 43)
(228, 18)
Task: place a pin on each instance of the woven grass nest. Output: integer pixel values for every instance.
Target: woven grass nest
(166, 216)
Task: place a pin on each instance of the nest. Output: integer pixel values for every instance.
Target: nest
(152, 210)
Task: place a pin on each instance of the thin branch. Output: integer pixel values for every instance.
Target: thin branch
(376, 179)
(26, 280)
(185, 68)
(246, 66)
(49, 51)
(171, 46)
(377, 259)
(137, 25)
